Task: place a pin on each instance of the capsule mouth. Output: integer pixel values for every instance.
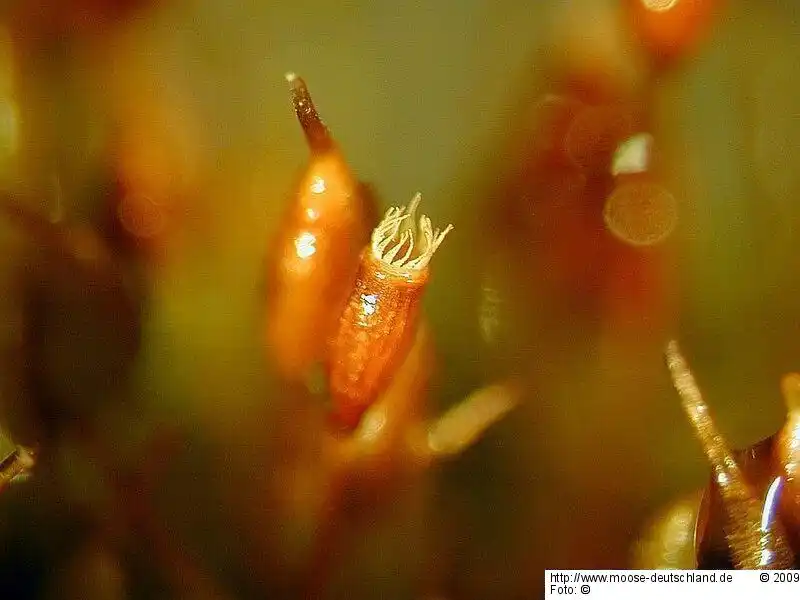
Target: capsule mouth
(399, 242)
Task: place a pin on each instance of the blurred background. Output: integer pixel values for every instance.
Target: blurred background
(619, 172)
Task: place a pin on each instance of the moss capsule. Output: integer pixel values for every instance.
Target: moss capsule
(380, 318)
(316, 255)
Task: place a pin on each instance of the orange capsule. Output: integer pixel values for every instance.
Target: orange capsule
(668, 539)
(379, 320)
(156, 157)
(670, 29)
(317, 250)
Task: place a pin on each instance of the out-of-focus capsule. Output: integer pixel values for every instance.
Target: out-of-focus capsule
(156, 160)
(671, 29)
(668, 540)
(315, 258)
(379, 321)
(74, 295)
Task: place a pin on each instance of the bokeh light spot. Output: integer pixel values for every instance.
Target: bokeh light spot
(641, 213)
(659, 5)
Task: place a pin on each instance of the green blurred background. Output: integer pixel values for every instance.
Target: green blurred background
(188, 97)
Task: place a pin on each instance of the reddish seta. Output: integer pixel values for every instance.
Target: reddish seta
(380, 318)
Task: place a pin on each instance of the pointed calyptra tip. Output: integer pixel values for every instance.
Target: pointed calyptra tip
(317, 134)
